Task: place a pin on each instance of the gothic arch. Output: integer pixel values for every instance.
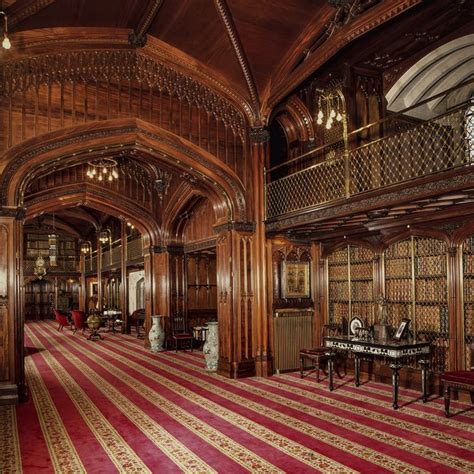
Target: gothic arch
(85, 142)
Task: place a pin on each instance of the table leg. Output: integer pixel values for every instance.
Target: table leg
(357, 370)
(424, 379)
(331, 371)
(447, 396)
(395, 376)
(301, 367)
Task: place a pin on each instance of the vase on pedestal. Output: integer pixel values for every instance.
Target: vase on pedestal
(211, 346)
(156, 335)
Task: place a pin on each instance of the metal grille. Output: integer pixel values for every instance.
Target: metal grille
(135, 249)
(293, 331)
(431, 298)
(398, 282)
(338, 287)
(433, 146)
(440, 144)
(361, 280)
(468, 293)
(320, 183)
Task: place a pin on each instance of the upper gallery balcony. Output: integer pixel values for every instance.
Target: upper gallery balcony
(400, 151)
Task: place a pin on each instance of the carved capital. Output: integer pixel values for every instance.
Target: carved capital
(17, 212)
(259, 135)
(157, 249)
(3, 301)
(136, 40)
(452, 251)
(238, 226)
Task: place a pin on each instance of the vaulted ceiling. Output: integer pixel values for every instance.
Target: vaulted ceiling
(260, 50)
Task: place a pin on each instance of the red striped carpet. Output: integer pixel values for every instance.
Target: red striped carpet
(112, 406)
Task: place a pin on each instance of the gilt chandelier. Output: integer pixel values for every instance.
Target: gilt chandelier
(105, 169)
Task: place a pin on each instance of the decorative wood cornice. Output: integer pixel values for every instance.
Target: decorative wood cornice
(226, 17)
(349, 206)
(22, 74)
(358, 26)
(201, 245)
(237, 226)
(17, 212)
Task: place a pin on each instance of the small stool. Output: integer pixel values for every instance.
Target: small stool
(317, 355)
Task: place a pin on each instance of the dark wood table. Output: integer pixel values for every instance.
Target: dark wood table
(397, 353)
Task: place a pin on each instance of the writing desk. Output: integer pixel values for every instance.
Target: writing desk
(396, 352)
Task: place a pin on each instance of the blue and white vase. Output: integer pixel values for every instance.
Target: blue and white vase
(211, 347)
(156, 335)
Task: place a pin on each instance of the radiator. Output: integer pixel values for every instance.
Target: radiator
(292, 331)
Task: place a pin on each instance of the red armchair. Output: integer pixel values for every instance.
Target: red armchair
(61, 318)
(79, 320)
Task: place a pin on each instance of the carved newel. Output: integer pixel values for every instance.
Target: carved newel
(156, 335)
(211, 346)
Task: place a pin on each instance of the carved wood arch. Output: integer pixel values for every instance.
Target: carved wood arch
(70, 196)
(295, 119)
(344, 243)
(416, 232)
(85, 142)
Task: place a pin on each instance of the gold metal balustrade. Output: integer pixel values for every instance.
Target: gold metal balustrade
(409, 149)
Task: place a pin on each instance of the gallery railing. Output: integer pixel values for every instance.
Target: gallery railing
(409, 148)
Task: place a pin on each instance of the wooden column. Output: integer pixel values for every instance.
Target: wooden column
(82, 284)
(124, 278)
(317, 291)
(99, 273)
(259, 137)
(12, 379)
(157, 278)
(235, 299)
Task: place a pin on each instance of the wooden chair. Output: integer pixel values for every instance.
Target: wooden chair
(61, 318)
(79, 320)
(138, 319)
(319, 354)
(179, 332)
(458, 380)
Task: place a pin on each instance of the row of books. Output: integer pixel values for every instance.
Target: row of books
(399, 290)
(429, 290)
(361, 290)
(430, 265)
(398, 266)
(432, 318)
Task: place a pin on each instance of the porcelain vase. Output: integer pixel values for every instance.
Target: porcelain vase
(156, 334)
(211, 346)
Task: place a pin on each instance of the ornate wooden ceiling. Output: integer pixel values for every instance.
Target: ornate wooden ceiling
(259, 51)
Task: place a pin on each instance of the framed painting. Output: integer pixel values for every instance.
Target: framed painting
(295, 280)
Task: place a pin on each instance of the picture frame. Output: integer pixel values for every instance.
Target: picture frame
(295, 280)
(402, 330)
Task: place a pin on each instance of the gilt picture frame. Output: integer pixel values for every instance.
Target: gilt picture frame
(295, 280)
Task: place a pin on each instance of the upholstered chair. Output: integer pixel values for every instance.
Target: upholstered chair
(61, 318)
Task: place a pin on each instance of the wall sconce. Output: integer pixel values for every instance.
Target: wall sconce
(6, 42)
(86, 247)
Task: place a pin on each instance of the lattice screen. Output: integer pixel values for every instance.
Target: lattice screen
(338, 285)
(362, 284)
(350, 275)
(398, 282)
(468, 293)
(416, 288)
(431, 298)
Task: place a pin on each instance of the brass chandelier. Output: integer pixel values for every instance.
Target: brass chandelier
(104, 169)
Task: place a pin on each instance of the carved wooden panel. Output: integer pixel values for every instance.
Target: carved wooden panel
(46, 93)
(4, 314)
(200, 222)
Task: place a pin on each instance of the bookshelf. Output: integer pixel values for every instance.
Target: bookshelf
(468, 299)
(416, 287)
(350, 285)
